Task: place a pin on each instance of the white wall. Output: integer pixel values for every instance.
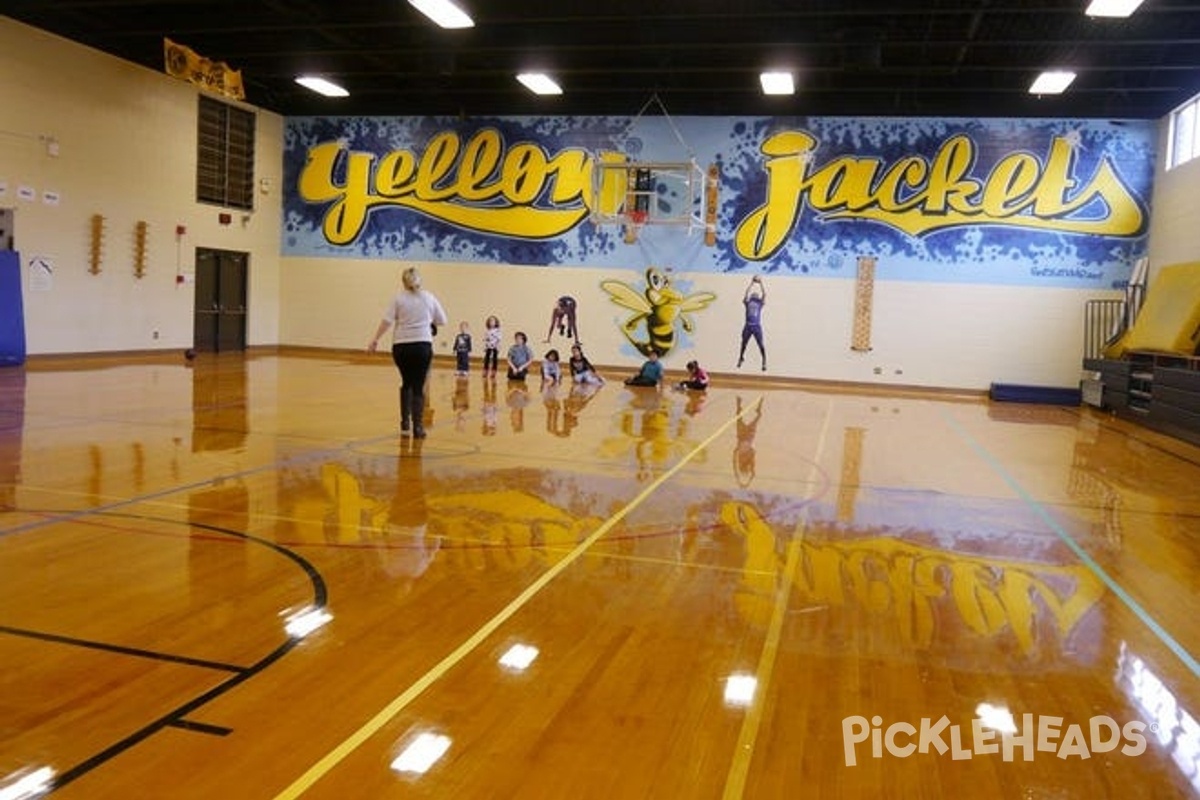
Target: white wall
(126, 140)
(933, 335)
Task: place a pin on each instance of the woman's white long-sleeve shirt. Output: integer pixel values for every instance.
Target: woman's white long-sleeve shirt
(412, 315)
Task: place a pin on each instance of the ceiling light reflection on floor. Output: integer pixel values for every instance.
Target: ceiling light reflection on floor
(998, 718)
(305, 621)
(739, 690)
(1169, 722)
(519, 657)
(422, 754)
(21, 786)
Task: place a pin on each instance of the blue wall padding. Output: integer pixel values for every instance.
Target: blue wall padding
(12, 310)
(1049, 395)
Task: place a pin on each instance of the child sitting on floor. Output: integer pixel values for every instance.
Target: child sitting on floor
(697, 378)
(650, 374)
(551, 369)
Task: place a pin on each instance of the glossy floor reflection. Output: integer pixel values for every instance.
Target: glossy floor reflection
(235, 579)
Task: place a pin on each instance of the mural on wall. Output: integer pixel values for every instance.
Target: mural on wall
(660, 310)
(990, 201)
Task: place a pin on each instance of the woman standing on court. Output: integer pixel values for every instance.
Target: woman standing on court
(414, 315)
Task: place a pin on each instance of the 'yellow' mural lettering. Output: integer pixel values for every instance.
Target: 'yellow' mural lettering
(479, 187)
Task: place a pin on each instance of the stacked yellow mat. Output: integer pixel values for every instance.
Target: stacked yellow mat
(1169, 321)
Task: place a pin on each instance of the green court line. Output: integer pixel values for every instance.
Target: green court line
(1175, 647)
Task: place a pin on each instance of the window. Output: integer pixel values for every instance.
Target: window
(1184, 144)
(225, 155)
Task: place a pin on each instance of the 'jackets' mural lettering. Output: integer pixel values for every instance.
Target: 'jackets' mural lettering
(918, 196)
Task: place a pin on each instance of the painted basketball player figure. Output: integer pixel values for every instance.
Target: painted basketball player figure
(753, 300)
(563, 318)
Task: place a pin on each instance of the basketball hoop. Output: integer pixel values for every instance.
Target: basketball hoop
(635, 218)
(634, 194)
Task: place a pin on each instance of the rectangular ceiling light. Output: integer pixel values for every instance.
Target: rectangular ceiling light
(1052, 82)
(322, 86)
(539, 83)
(777, 83)
(444, 13)
(1112, 8)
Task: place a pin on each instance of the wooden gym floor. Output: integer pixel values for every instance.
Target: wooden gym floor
(766, 592)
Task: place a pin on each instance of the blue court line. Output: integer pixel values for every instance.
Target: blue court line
(1175, 647)
(145, 498)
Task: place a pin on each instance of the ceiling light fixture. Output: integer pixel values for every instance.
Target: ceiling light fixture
(1052, 82)
(444, 13)
(1112, 8)
(322, 86)
(777, 83)
(539, 83)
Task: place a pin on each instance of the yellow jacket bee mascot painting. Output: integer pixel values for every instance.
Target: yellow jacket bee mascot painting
(657, 310)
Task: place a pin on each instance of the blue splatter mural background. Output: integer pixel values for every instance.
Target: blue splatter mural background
(816, 246)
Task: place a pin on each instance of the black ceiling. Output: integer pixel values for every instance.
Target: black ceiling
(898, 58)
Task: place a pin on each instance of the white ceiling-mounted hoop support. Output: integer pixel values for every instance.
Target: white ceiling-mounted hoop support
(635, 193)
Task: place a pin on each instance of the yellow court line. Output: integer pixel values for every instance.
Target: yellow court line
(743, 754)
(674, 562)
(389, 712)
(735, 782)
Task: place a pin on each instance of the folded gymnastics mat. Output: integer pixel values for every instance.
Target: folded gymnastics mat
(1047, 395)
(12, 314)
(1169, 321)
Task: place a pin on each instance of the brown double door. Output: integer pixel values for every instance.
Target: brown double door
(220, 306)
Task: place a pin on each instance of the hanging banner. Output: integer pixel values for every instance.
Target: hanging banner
(864, 299)
(215, 76)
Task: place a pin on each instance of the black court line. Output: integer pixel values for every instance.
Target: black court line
(177, 718)
(1133, 434)
(200, 727)
(170, 719)
(216, 479)
(116, 648)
